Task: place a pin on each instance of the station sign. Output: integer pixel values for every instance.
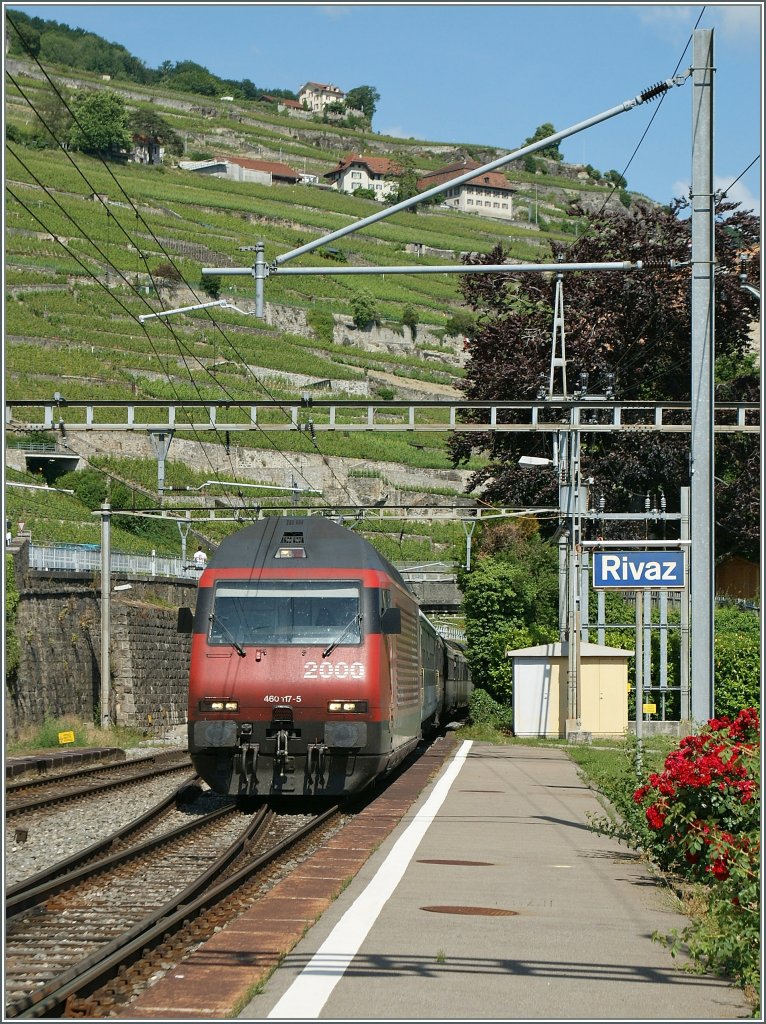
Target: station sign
(634, 570)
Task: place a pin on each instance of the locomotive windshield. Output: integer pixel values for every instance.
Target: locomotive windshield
(285, 612)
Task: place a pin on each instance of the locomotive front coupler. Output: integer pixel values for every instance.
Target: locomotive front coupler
(247, 759)
(316, 761)
(282, 728)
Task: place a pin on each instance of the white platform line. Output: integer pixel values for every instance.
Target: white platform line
(309, 992)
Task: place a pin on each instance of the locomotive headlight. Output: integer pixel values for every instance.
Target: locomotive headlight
(347, 706)
(216, 704)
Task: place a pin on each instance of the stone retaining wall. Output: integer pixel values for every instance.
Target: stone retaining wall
(58, 624)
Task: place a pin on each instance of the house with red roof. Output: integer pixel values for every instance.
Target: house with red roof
(238, 168)
(373, 172)
(489, 194)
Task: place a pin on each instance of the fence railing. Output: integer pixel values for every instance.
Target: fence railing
(87, 558)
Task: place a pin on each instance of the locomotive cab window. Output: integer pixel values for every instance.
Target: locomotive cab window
(293, 612)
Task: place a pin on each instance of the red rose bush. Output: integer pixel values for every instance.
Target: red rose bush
(701, 821)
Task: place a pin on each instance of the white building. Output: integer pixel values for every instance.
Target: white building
(315, 96)
(371, 172)
(488, 195)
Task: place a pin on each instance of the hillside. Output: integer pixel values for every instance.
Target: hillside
(91, 245)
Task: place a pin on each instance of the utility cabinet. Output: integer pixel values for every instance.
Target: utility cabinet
(540, 690)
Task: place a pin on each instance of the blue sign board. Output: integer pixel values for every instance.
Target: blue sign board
(638, 570)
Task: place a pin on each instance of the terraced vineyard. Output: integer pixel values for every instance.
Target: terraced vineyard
(91, 246)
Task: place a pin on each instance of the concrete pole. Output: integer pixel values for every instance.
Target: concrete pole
(683, 674)
(106, 587)
(585, 597)
(573, 628)
(160, 441)
(702, 403)
(563, 591)
(260, 276)
(468, 528)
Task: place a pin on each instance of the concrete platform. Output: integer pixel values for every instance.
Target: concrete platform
(488, 898)
(60, 760)
(510, 908)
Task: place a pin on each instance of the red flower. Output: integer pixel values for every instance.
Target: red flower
(719, 869)
(654, 817)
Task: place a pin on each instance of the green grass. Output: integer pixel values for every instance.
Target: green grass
(35, 739)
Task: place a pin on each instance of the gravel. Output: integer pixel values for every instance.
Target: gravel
(38, 839)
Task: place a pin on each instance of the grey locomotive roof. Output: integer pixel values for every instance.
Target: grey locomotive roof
(327, 545)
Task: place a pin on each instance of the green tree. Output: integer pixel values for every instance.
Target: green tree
(336, 107)
(186, 76)
(166, 276)
(23, 37)
(146, 125)
(406, 179)
(510, 600)
(364, 98)
(210, 286)
(543, 132)
(364, 308)
(54, 116)
(461, 321)
(410, 319)
(100, 124)
(616, 179)
(632, 329)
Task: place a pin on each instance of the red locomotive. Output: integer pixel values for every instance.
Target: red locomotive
(313, 670)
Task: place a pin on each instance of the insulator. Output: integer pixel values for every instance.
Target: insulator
(647, 503)
(654, 92)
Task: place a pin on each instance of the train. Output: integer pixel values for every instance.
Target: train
(313, 669)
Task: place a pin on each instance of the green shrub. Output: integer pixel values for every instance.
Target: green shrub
(322, 323)
(364, 308)
(737, 672)
(485, 710)
(211, 286)
(12, 649)
(410, 319)
(462, 321)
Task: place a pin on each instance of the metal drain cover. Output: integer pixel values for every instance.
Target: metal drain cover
(475, 911)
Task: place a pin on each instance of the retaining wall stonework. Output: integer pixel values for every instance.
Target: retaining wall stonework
(58, 624)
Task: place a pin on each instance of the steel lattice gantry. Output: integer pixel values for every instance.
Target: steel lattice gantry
(588, 415)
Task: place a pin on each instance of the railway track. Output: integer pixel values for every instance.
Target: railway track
(33, 794)
(105, 923)
(131, 834)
